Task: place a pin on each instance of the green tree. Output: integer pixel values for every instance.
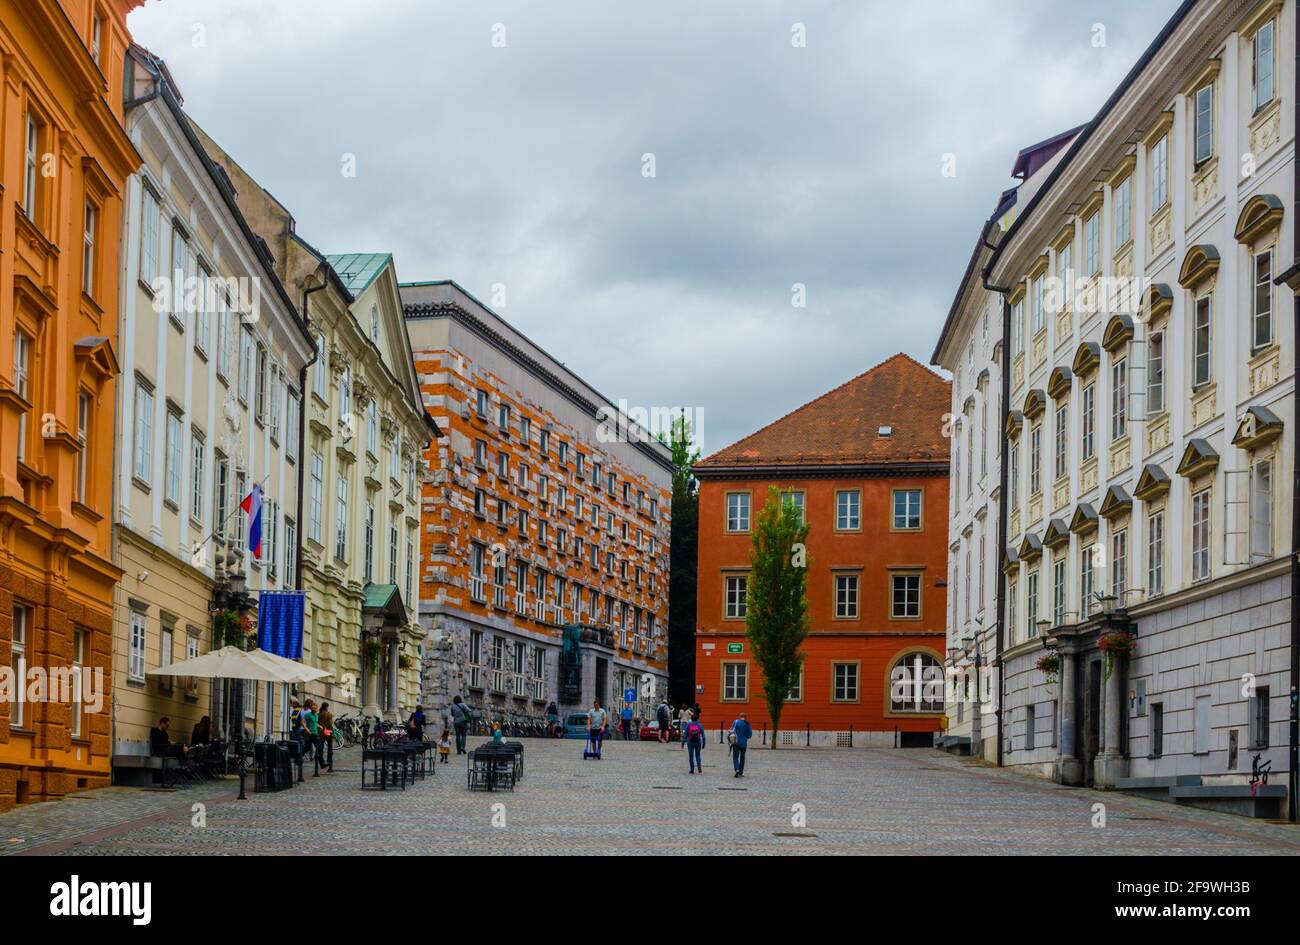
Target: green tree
(682, 547)
(776, 614)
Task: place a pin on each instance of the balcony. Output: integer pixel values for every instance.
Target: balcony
(499, 596)
(521, 603)
(476, 590)
(520, 688)
(498, 680)
(539, 689)
(475, 677)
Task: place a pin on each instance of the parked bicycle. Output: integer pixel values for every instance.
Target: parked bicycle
(1258, 774)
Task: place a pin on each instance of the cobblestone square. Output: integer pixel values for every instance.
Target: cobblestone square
(640, 800)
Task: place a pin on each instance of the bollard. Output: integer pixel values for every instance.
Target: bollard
(808, 734)
(850, 734)
(764, 733)
(239, 747)
(896, 734)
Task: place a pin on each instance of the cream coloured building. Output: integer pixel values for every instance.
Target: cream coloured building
(212, 349)
(364, 431)
(1151, 422)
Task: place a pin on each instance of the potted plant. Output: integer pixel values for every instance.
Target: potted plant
(371, 649)
(229, 628)
(1049, 664)
(1116, 643)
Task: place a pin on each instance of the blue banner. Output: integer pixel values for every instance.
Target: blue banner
(279, 623)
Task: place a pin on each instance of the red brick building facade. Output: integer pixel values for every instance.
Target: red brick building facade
(868, 463)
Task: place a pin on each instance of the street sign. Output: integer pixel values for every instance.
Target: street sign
(735, 648)
(629, 695)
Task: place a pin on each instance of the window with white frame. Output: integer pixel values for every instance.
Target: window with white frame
(1058, 591)
(1087, 578)
(83, 443)
(907, 509)
(316, 507)
(245, 363)
(22, 385)
(32, 166)
(1039, 323)
(1087, 414)
(1203, 124)
(1013, 599)
(1160, 173)
(91, 226)
(1092, 244)
(368, 542)
(392, 556)
(736, 597)
(291, 429)
(341, 520)
(1119, 564)
(846, 596)
(1156, 553)
(916, 684)
(737, 511)
(1119, 398)
(1201, 535)
(172, 473)
(848, 510)
(735, 682)
(149, 230)
(1062, 433)
(1156, 373)
(1261, 510)
(844, 682)
(1121, 209)
(290, 551)
(905, 596)
(1262, 302)
(1261, 66)
(1036, 459)
(136, 647)
(198, 451)
(1031, 608)
(1013, 474)
(78, 670)
(18, 663)
(1202, 352)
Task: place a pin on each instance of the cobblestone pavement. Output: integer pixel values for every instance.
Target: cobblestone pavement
(640, 799)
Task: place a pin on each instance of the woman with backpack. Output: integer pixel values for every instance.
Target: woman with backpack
(693, 735)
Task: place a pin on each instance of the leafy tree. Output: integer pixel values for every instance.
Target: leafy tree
(776, 614)
(683, 546)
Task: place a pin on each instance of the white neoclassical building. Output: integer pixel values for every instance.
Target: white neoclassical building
(1150, 424)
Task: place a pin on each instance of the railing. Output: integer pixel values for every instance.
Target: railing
(540, 609)
(499, 596)
(498, 680)
(520, 689)
(476, 589)
(521, 603)
(539, 689)
(475, 677)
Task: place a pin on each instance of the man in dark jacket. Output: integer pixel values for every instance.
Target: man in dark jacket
(740, 734)
(460, 717)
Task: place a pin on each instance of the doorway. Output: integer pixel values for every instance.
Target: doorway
(1091, 717)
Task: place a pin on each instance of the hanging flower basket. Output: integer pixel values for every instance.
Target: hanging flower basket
(371, 650)
(1049, 664)
(229, 628)
(1116, 643)
(403, 661)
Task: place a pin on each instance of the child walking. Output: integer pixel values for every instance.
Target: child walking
(444, 745)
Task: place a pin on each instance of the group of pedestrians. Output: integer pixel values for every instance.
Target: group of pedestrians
(694, 737)
(313, 729)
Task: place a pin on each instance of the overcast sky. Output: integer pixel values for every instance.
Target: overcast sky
(521, 164)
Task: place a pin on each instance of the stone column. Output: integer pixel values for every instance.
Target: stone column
(1068, 768)
(1110, 765)
(371, 686)
(394, 708)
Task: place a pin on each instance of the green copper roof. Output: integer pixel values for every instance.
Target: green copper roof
(358, 270)
(377, 596)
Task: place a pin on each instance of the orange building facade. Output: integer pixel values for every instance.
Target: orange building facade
(64, 160)
(868, 465)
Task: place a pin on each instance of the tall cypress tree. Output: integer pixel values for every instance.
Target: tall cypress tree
(776, 614)
(683, 546)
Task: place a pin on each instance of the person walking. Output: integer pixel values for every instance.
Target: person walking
(739, 735)
(597, 720)
(460, 716)
(626, 722)
(664, 716)
(694, 738)
(325, 725)
(683, 718)
(311, 722)
(415, 725)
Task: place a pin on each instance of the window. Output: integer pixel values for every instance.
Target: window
(270, 532)
(1201, 351)
(525, 430)
(1261, 510)
(848, 510)
(135, 664)
(31, 171)
(290, 550)
(476, 575)
(221, 496)
(1017, 327)
(1030, 724)
(735, 682)
(341, 521)
(345, 402)
(149, 240)
(1201, 535)
(88, 250)
(22, 385)
(1036, 460)
(291, 431)
(322, 366)
(1156, 373)
(1087, 408)
(241, 519)
(792, 499)
(1160, 173)
(1058, 592)
(392, 556)
(1262, 314)
(1203, 124)
(737, 597)
(916, 684)
(1092, 244)
(1013, 475)
(905, 594)
(503, 417)
(1087, 582)
(544, 445)
(1259, 718)
(503, 465)
(1037, 297)
(372, 427)
(197, 455)
(846, 596)
(907, 509)
(410, 566)
(1012, 600)
(737, 511)
(172, 473)
(245, 364)
(96, 37)
(844, 682)
(481, 404)
(480, 453)
(1119, 399)
(203, 321)
(1261, 70)
(1121, 208)
(1062, 433)
(374, 323)
(1031, 609)
(83, 443)
(78, 669)
(1157, 729)
(1119, 564)
(1156, 553)
(368, 542)
(18, 665)
(317, 498)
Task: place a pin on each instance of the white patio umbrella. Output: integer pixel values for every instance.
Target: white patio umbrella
(230, 662)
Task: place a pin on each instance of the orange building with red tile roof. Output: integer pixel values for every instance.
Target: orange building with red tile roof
(868, 463)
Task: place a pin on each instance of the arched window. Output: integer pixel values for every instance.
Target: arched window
(916, 684)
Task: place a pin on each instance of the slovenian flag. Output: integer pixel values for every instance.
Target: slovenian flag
(252, 506)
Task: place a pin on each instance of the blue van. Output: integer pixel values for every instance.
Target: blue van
(576, 723)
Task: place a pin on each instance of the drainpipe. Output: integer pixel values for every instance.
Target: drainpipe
(1003, 471)
(302, 416)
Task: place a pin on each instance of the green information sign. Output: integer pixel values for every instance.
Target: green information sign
(735, 648)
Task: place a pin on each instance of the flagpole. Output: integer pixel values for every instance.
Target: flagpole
(233, 512)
